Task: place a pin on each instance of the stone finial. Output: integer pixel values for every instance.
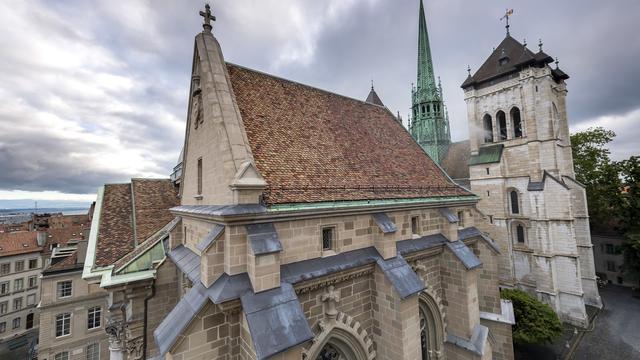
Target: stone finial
(330, 299)
(208, 17)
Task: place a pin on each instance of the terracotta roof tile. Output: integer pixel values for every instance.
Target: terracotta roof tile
(21, 242)
(153, 198)
(312, 145)
(70, 262)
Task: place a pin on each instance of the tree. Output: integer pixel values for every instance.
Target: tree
(630, 215)
(600, 175)
(536, 322)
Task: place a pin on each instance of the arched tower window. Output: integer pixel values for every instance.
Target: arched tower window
(516, 122)
(502, 124)
(515, 205)
(519, 233)
(423, 109)
(488, 128)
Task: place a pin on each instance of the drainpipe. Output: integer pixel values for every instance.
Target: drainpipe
(146, 309)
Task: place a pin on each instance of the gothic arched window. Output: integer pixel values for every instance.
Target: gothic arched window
(502, 124)
(516, 122)
(488, 128)
(515, 205)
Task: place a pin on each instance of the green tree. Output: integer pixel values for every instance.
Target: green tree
(600, 175)
(536, 322)
(630, 215)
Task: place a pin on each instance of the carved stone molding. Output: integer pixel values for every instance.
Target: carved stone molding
(345, 328)
(326, 281)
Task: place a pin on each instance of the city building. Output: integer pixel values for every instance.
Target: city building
(20, 266)
(72, 311)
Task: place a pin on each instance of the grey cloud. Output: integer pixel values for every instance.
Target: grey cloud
(150, 45)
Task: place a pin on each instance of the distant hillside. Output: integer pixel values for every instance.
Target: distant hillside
(29, 204)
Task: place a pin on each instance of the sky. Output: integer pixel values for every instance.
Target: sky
(96, 92)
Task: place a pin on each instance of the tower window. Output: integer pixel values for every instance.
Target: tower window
(515, 206)
(488, 128)
(423, 109)
(520, 233)
(414, 225)
(516, 122)
(487, 171)
(428, 108)
(328, 238)
(502, 124)
(199, 176)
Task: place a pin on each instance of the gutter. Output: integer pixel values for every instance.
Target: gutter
(145, 325)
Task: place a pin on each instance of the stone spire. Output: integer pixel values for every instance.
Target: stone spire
(373, 97)
(429, 125)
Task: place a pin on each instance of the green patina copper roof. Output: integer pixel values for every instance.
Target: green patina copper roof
(429, 123)
(146, 261)
(487, 155)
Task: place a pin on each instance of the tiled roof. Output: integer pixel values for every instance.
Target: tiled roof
(21, 242)
(311, 145)
(153, 198)
(456, 161)
(62, 236)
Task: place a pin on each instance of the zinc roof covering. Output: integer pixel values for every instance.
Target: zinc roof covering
(487, 154)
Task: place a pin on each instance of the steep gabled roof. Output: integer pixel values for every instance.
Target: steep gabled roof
(130, 211)
(507, 58)
(311, 145)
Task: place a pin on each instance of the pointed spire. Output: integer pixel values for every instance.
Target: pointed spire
(426, 79)
(373, 98)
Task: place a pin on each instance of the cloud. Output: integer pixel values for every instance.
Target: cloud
(96, 92)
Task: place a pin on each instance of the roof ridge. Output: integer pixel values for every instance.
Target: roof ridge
(305, 85)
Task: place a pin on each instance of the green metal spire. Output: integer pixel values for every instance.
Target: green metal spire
(430, 123)
(426, 79)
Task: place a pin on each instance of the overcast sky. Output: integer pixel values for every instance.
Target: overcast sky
(95, 92)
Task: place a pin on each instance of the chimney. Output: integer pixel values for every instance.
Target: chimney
(41, 238)
(82, 252)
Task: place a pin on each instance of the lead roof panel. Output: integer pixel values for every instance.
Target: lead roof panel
(263, 238)
(384, 223)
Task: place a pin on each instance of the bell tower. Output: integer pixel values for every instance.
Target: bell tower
(429, 123)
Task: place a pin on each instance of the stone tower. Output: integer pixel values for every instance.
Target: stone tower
(429, 124)
(522, 169)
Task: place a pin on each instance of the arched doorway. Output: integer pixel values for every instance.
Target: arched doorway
(340, 339)
(431, 328)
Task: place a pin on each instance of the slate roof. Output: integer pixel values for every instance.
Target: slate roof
(472, 231)
(373, 98)
(220, 210)
(384, 223)
(20, 242)
(422, 243)
(276, 320)
(145, 200)
(402, 277)
(263, 238)
(311, 145)
(317, 267)
(187, 261)
(210, 238)
(456, 160)
(516, 56)
(464, 254)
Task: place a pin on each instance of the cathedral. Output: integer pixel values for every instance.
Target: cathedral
(288, 232)
(518, 161)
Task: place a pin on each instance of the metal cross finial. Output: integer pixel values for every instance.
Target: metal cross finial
(206, 14)
(371, 84)
(557, 63)
(525, 42)
(507, 13)
(540, 44)
(469, 70)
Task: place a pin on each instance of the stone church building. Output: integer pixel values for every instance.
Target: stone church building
(518, 161)
(306, 225)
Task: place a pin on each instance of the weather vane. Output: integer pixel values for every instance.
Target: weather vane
(507, 14)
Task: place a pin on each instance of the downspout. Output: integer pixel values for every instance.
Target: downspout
(146, 309)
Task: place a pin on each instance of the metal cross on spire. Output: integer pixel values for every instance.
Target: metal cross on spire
(206, 14)
(506, 16)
